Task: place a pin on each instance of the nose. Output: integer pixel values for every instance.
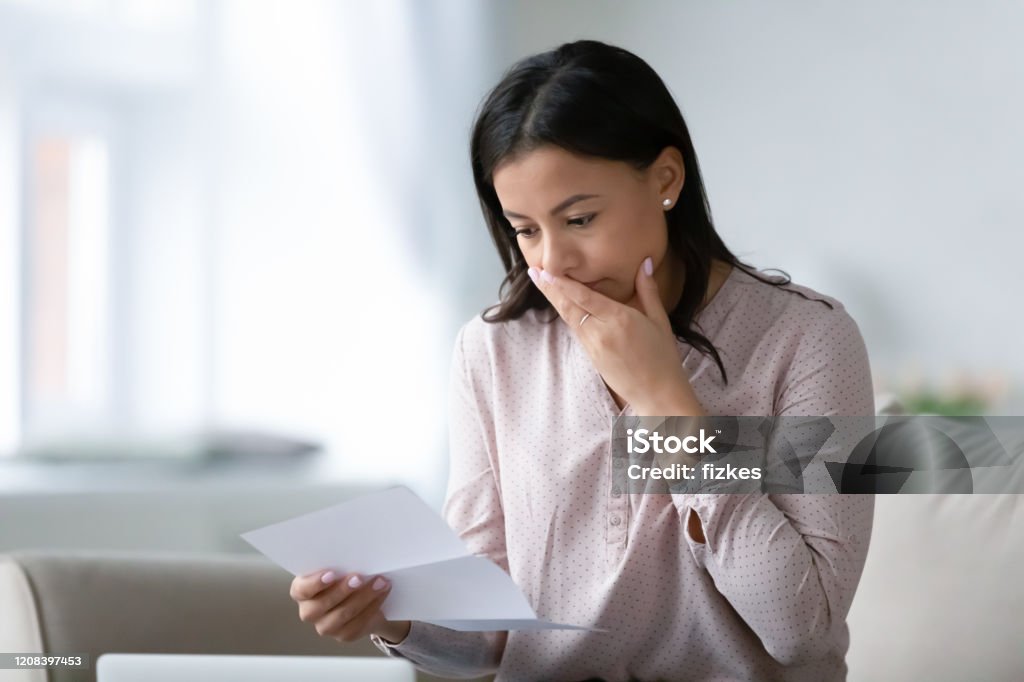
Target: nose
(559, 253)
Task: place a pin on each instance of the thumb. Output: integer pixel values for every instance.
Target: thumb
(650, 297)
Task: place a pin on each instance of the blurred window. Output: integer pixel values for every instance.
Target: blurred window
(80, 121)
(66, 301)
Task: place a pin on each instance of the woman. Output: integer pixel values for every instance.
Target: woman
(621, 299)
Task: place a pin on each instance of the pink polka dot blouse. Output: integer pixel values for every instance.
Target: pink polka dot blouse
(765, 597)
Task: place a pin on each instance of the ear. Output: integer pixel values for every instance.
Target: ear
(669, 174)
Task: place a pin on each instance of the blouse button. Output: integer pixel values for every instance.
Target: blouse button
(616, 520)
(616, 492)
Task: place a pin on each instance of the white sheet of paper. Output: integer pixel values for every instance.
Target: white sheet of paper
(394, 533)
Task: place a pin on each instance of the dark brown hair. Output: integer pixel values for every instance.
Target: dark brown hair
(597, 100)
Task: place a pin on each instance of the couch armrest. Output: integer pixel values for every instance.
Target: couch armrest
(99, 602)
(19, 622)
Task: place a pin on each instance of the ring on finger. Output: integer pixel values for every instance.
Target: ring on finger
(583, 319)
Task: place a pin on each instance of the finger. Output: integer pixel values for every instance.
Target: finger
(308, 586)
(332, 622)
(314, 609)
(564, 306)
(584, 298)
(650, 297)
(361, 625)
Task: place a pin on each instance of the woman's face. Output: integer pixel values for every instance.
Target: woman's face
(602, 239)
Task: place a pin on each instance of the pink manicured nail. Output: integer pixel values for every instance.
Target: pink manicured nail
(328, 577)
(379, 584)
(648, 266)
(546, 276)
(532, 272)
(354, 582)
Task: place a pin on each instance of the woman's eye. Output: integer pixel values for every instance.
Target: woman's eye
(582, 220)
(530, 232)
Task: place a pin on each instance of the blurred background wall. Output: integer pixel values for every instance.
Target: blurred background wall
(258, 215)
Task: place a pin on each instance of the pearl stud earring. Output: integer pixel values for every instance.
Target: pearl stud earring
(666, 203)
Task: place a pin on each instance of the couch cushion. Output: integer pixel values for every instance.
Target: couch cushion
(940, 598)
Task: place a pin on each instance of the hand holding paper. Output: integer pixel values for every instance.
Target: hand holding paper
(394, 533)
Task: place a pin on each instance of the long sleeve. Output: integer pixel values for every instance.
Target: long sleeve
(473, 509)
(789, 564)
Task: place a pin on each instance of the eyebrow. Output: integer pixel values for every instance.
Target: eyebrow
(557, 209)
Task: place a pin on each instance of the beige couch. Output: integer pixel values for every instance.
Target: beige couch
(97, 602)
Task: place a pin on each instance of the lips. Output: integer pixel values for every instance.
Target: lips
(591, 285)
